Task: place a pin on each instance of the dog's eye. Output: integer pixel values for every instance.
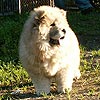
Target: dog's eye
(53, 24)
(34, 25)
(64, 30)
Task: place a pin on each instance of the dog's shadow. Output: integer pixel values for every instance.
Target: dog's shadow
(24, 96)
(30, 93)
(33, 96)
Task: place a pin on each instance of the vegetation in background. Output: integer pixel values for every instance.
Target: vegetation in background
(13, 76)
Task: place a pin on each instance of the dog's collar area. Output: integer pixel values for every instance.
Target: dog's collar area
(54, 42)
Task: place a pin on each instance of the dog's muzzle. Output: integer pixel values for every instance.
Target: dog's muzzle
(56, 36)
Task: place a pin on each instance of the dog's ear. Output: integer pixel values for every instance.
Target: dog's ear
(38, 16)
(63, 12)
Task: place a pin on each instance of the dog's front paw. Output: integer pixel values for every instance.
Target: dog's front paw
(77, 74)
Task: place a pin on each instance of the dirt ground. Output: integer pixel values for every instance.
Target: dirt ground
(86, 88)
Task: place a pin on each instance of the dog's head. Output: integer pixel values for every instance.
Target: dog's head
(50, 23)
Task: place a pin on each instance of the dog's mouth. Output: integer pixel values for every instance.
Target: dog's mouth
(54, 42)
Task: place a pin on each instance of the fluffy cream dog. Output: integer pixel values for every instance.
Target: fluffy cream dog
(49, 49)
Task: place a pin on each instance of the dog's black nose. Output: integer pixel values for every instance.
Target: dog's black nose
(64, 31)
(57, 36)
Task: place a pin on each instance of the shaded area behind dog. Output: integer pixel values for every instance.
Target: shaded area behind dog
(87, 28)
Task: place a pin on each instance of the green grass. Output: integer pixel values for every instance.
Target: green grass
(13, 76)
(10, 29)
(85, 24)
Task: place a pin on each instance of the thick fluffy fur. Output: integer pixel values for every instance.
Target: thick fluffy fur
(49, 49)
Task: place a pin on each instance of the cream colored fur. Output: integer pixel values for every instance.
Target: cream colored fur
(44, 61)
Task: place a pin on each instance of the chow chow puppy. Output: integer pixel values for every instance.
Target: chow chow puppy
(49, 49)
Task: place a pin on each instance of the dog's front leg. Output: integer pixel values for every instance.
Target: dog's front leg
(41, 83)
(64, 79)
(51, 70)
